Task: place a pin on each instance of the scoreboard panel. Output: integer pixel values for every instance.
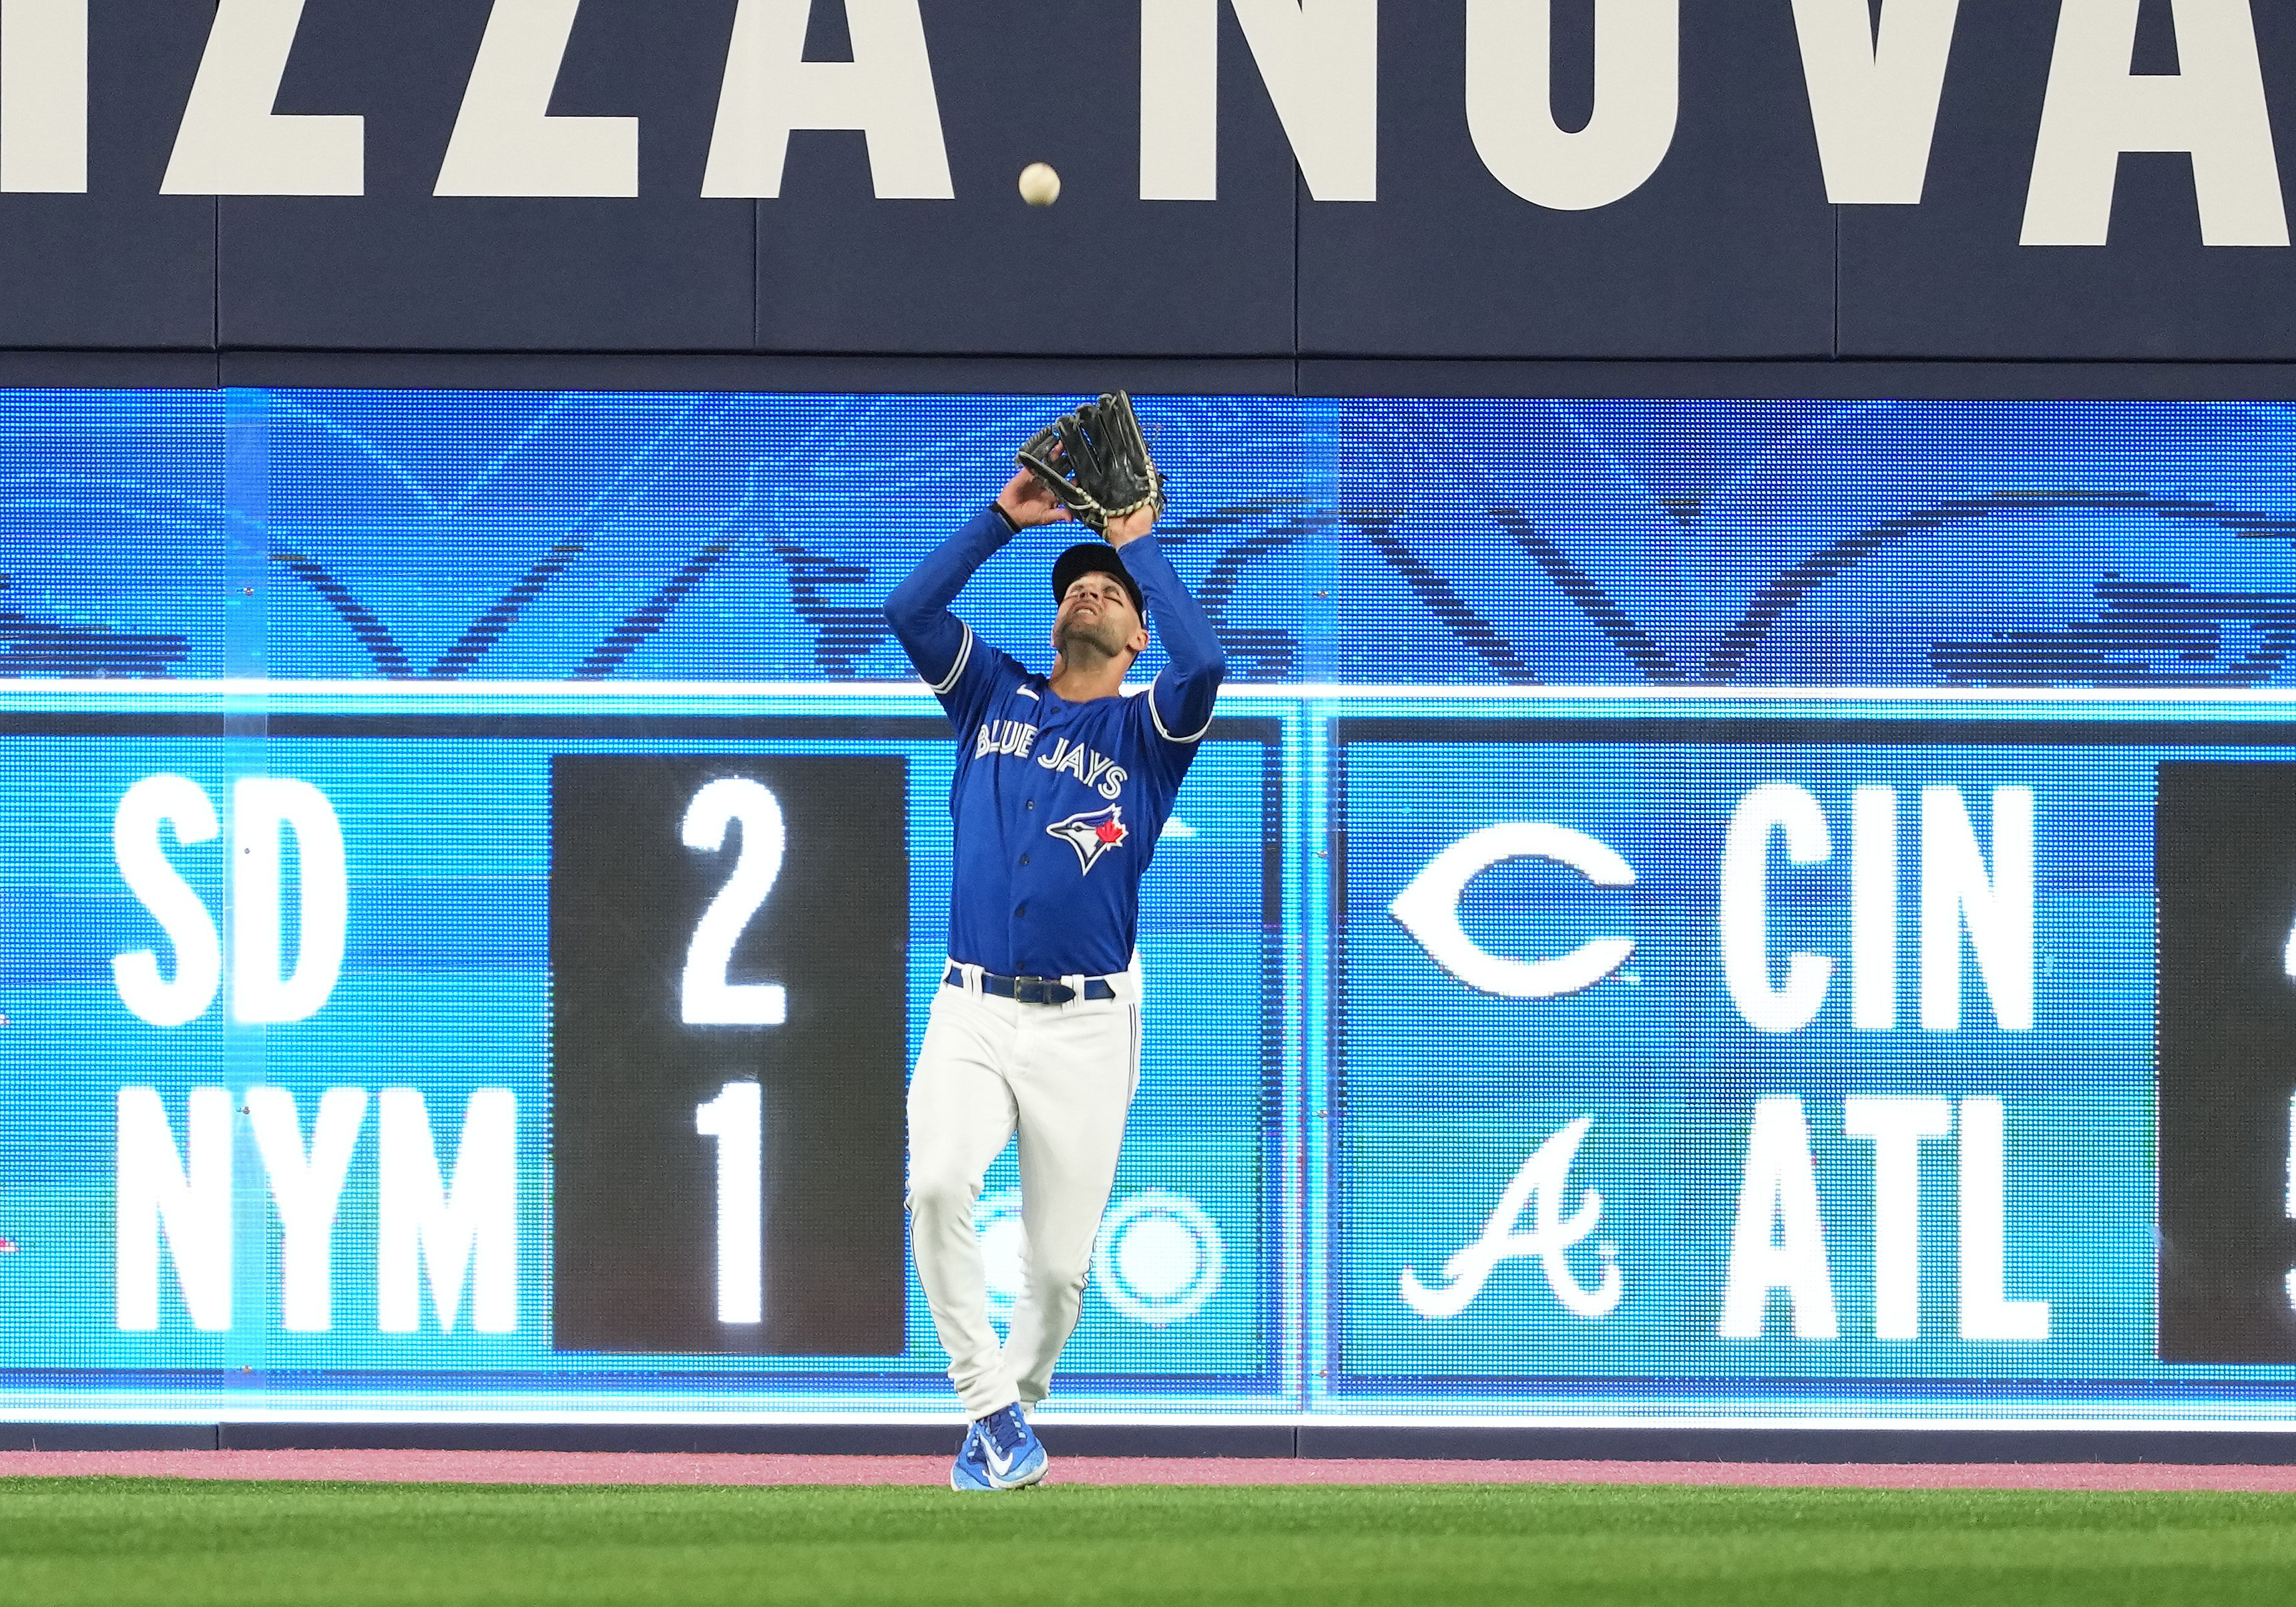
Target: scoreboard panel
(468, 1061)
(726, 1129)
(1693, 911)
(538, 1051)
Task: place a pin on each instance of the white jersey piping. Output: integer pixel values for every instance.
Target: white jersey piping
(1154, 715)
(963, 655)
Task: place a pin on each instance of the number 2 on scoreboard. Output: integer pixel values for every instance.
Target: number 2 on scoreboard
(705, 997)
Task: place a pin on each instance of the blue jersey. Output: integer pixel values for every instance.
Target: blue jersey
(1057, 805)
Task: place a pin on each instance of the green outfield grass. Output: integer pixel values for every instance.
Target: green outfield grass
(119, 1542)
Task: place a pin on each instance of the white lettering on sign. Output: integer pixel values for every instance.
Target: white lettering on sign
(264, 809)
(267, 813)
(44, 97)
(886, 91)
(185, 1195)
(1779, 810)
(1320, 62)
(1960, 896)
(2213, 107)
(463, 1234)
(1987, 1311)
(1873, 909)
(2292, 1191)
(706, 997)
(736, 1120)
(506, 142)
(1896, 1128)
(1511, 112)
(1179, 100)
(1995, 908)
(1779, 1244)
(307, 1190)
(231, 143)
(1875, 73)
(183, 808)
(1874, 87)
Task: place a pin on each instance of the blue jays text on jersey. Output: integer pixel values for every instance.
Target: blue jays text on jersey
(1057, 805)
(1002, 736)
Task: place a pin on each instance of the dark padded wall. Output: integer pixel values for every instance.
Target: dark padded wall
(1729, 251)
(1022, 81)
(1947, 278)
(122, 266)
(399, 268)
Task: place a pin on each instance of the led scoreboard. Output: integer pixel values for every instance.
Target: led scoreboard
(1759, 1054)
(535, 1057)
(1743, 914)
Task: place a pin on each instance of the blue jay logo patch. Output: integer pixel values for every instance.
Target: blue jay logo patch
(1092, 835)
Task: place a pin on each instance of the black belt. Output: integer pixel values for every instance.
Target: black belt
(1031, 990)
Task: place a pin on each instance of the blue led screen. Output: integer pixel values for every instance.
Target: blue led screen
(1726, 975)
(443, 988)
(528, 537)
(1716, 911)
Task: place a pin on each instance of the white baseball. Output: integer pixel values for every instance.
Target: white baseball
(1040, 186)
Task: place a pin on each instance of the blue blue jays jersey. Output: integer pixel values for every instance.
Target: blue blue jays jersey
(1058, 806)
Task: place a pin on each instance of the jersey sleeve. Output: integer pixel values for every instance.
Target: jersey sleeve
(964, 673)
(1180, 700)
(976, 682)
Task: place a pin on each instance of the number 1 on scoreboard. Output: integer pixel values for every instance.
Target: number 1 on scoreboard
(736, 1120)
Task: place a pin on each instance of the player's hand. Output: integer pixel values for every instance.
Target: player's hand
(1133, 526)
(1026, 502)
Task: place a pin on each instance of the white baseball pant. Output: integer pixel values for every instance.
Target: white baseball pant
(1063, 1075)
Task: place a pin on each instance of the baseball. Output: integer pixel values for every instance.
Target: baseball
(1040, 186)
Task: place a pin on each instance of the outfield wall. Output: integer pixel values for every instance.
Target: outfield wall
(1693, 913)
(1243, 179)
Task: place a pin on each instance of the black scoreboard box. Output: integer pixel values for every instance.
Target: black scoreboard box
(728, 952)
(2224, 861)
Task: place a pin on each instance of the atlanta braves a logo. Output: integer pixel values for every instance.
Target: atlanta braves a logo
(1094, 835)
(1537, 1192)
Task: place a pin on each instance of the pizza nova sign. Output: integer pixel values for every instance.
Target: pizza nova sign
(1876, 76)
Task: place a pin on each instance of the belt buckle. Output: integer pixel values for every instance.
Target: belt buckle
(1041, 990)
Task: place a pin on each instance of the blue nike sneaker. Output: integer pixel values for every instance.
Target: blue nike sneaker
(971, 1469)
(1010, 1456)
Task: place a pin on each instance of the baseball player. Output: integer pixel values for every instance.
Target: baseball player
(1063, 787)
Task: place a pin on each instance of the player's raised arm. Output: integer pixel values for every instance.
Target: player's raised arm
(1181, 700)
(934, 638)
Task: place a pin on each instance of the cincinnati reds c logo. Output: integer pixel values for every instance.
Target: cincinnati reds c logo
(1428, 910)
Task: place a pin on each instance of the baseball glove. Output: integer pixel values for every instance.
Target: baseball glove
(1096, 461)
